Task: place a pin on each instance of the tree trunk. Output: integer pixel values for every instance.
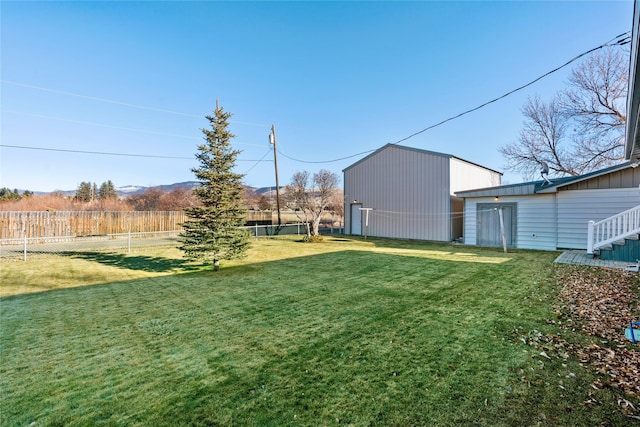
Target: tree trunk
(315, 232)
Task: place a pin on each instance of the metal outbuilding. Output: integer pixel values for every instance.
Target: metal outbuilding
(409, 193)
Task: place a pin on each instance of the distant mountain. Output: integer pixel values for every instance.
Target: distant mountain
(263, 190)
(129, 190)
(187, 185)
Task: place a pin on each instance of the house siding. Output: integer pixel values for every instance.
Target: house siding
(469, 227)
(408, 190)
(577, 207)
(535, 220)
(626, 178)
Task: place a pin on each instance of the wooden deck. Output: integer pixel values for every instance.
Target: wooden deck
(579, 257)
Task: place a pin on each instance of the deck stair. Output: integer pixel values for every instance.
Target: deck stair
(616, 237)
(627, 249)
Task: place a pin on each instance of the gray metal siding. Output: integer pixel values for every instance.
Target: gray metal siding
(409, 191)
(468, 176)
(577, 208)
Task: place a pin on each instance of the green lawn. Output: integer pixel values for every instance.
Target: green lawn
(345, 332)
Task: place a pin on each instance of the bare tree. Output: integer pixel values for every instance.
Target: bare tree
(250, 198)
(310, 198)
(336, 206)
(157, 199)
(597, 94)
(541, 140)
(582, 128)
(148, 200)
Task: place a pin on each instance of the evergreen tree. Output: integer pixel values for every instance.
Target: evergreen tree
(107, 191)
(7, 195)
(212, 231)
(84, 192)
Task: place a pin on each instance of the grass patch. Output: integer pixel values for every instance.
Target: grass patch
(376, 332)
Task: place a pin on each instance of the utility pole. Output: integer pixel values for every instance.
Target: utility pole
(272, 140)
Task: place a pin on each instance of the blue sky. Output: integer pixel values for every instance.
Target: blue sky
(335, 78)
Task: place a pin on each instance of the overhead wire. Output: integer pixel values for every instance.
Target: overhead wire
(94, 98)
(258, 161)
(105, 153)
(325, 161)
(622, 39)
(415, 216)
(110, 101)
(619, 40)
(82, 122)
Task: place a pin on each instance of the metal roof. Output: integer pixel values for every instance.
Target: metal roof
(417, 150)
(538, 187)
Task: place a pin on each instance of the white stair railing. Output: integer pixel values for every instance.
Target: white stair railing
(613, 229)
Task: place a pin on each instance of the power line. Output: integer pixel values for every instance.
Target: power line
(619, 40)
(103, 153)
(326, 161)
(258, 161)
(109, 101)
(93, 98)
(82, 122)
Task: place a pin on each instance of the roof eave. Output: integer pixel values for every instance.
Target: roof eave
(632, 137)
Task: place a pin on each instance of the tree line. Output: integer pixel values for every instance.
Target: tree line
(87, 191)
(151, 199)
(6, 194)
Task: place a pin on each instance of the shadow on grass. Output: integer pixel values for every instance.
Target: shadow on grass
(139, 262)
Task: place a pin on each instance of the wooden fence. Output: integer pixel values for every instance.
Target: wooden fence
(13, 225)
(39, 224)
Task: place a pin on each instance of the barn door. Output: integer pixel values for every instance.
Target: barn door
(356, 219)
(488, 225)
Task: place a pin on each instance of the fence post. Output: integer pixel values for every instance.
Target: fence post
(256, 229)
(129, 242)
(590, 228)
(25, 245)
